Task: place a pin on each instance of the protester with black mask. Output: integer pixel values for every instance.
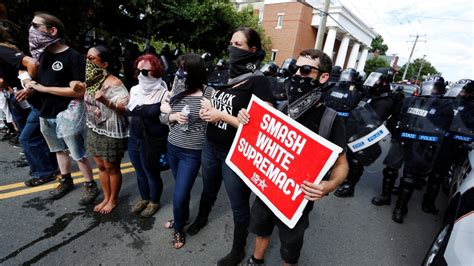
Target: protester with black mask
(310, 73)
(220, 111)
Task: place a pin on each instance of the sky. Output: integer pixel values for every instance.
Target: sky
(446, 30)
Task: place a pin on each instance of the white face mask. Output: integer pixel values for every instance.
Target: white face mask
(146, 79)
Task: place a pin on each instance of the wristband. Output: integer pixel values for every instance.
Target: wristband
(24, 76)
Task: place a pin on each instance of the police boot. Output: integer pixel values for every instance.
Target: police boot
(389, 177)
(432, 190)
(401, 209)
(201, 220)
(237, 253)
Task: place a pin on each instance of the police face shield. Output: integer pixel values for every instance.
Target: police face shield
(348, 76)
(454, 90)
(427, 88)
(373, 79)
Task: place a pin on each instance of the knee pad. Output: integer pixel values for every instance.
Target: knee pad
(408, 181)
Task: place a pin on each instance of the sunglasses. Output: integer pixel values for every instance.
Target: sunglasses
(144, 72)
(304, 69)
(36, 25)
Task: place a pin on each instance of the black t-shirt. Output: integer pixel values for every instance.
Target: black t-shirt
(311, 119)
(10, 63)
(231, 100)
(57, 70)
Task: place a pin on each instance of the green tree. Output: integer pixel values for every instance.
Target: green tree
(196, 25)
(377, 44)
(412, 72)
(372, 64)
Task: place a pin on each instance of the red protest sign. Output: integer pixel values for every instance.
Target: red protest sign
(273, 154)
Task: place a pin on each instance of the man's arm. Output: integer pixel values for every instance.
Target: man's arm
(75, 89)
(338, 174)
(31, 66)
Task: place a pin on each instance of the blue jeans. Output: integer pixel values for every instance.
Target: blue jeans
(19, 114)
(185, 165)
(214, 171)
(149, 181)
(42, 162)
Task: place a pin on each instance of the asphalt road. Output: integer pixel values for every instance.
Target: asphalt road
(351, 231)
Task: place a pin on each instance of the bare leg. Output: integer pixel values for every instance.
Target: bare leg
(86, 169)
(105, 183)
(113, 169)
(261, 245)
(64, 162)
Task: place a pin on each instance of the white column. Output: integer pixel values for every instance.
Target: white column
(342, 53)
(330, 39)
(362, 59)
(353, 57)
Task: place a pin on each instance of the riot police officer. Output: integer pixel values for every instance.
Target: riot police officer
(453, 150)
(380, 99)
(220, 75)
(424, 121)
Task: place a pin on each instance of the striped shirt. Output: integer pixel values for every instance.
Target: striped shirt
(192, 137)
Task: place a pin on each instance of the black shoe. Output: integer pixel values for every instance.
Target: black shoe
(197, 225)
(253, 262)
(21, 163)
(381, 200)
(345, 190)
(65, 185)
(232, 259)
(398, 215)
(428, 206)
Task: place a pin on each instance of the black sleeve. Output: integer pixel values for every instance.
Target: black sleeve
(151, 110)
(78, 67)
(262, 89)
(338, 133)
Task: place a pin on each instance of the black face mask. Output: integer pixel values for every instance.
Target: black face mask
(298, 86)
(242, 61)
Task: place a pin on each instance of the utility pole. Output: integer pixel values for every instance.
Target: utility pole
(419, 71)
(411, 53)
(322, 26)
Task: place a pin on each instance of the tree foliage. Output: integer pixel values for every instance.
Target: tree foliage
(372, 64)
(412, 72)
(196, 25)
(377, 44)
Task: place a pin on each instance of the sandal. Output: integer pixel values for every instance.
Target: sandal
(178, 239)
(37, 181)
(170, 224)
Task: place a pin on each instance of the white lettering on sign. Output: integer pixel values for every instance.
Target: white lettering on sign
(417, 111)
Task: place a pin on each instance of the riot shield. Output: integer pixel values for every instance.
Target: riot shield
(462, 126)
(423, 125)
(364, 130)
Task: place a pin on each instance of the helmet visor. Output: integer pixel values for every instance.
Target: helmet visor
(373, 79)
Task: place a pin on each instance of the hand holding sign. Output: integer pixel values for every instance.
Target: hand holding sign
(274, 155)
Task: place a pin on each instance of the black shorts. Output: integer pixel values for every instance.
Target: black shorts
(262, 222)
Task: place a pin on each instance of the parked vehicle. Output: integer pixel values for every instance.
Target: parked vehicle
(408, 89)
(454, 244)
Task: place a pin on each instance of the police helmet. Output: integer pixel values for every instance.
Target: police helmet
(206, 57)
(434, 85)
(285, 67)
(335, 74)
(465, 85)
(269, 69)
(349, 75)
(379, 80)
(221, 63)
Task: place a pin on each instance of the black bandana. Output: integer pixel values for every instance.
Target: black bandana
(303, 93)
(242, 61)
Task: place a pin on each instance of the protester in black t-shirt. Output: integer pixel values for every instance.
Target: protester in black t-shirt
(42, 163)
(220, 111)
(313, 67)
(58, 95)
